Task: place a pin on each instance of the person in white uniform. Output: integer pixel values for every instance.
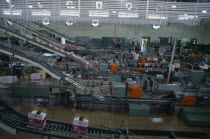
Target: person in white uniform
(177, 66)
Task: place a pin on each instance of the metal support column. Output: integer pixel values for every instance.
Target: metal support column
(172, 59)
(147, 8)
(79, 7)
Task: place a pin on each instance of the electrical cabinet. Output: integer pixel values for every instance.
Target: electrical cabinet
(119, 91)
(197, 76)
(136, 109)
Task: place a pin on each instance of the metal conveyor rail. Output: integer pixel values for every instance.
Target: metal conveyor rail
(29, 57)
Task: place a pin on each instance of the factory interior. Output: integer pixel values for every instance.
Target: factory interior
(105, 69)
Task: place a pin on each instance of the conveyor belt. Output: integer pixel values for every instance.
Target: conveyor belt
(52, 31)
(52, 128)
(57, 129)
(49, 39)
(39, 34)
(31, 58)
(38, 44)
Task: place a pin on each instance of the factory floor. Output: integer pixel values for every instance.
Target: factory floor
(102, 116)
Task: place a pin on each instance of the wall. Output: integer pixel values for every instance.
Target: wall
(129, 31)
(202, 33)
(207, 35)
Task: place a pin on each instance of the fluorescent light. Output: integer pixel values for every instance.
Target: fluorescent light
(13, 12)
(151, 16)
(95, 23)
(7, 1)
(41, 13)
(99, 13)
(114, 12)
(173, 6)
(30, 6)
(204, 11)
(99, 5)
(71, 7)
(69, 12)
(187, 17)
(128, 15)
(156, 26)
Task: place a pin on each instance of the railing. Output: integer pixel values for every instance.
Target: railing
(39, 61)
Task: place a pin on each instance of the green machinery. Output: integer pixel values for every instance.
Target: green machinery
(136, 109)
(197, 76)
(119, 91)
(114, 78)
(82, 40)
(196, 116)
(31, 91)
(96, 43)
(104, 67)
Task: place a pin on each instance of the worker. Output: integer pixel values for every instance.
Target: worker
(161, 51)
(176, 66)
(135, 56)
(163, 62)
(118, 44)
(171, 67)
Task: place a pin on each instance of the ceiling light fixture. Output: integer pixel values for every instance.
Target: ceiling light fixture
(70, 22)
(187, 17)
(173, 6)
(45, 21)
(204, 11)
(99, 13)
(71, 7)
(7, 1)
(41, 13)
(156, 26)
(155, 16)
(128, 15)
(95, 23)
(69, 13)
(30, 6)
(12, 12)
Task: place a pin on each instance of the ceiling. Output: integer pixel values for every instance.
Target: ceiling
(109, 11)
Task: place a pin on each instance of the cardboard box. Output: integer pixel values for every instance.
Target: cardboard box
(36, 77)
(37, 118)
(8, 79)
(80, 125)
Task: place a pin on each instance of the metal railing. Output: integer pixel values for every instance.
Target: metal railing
(40, 61)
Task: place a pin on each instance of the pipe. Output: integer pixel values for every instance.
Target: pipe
(147, 84)
(153, 84)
